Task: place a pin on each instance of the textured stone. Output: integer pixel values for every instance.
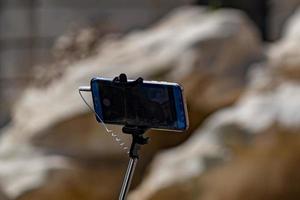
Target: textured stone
(265, 169)
(272, 99)
(208, 52)
(284, 55)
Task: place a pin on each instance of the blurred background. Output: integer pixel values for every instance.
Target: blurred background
(238, 61)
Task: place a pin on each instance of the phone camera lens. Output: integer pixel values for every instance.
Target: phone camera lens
(106, 102)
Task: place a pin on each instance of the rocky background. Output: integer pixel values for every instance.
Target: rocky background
(243, 98)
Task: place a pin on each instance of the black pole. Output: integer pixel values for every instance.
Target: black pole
(137, 140)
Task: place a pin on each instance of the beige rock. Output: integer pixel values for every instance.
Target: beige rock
(265, 169)
(209, 52)
(235, 126)
(272, 99)
(284, 55)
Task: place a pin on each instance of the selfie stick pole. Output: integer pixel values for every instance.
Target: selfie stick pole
(128, 178)
(137, 140)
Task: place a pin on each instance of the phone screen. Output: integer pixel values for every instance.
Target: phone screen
(150, 105)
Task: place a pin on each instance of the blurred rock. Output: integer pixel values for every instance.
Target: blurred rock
(75, 44)
(268, 169)
(280, 11)
(23, 166)
(208, 52)
(272, 99)
(284, 54)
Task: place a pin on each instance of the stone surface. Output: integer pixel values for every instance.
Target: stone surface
(265, 169)
(284, 54)
(280, 11)
(272, 99)
(208, 52)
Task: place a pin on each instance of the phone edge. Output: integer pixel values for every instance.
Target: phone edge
(95, 93)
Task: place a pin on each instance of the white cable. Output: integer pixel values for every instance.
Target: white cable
(121, 143)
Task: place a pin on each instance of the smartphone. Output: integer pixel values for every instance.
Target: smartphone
(152, 104)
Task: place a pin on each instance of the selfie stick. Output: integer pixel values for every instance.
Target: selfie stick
(137, 138)
(135, 131)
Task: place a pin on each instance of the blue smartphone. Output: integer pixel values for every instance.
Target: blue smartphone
(152, 104)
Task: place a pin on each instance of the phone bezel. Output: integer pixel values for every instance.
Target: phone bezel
(181, 108)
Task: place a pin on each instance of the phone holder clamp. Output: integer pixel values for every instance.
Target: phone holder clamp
(137, 138)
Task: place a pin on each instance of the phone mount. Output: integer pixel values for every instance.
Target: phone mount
(138, 138)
